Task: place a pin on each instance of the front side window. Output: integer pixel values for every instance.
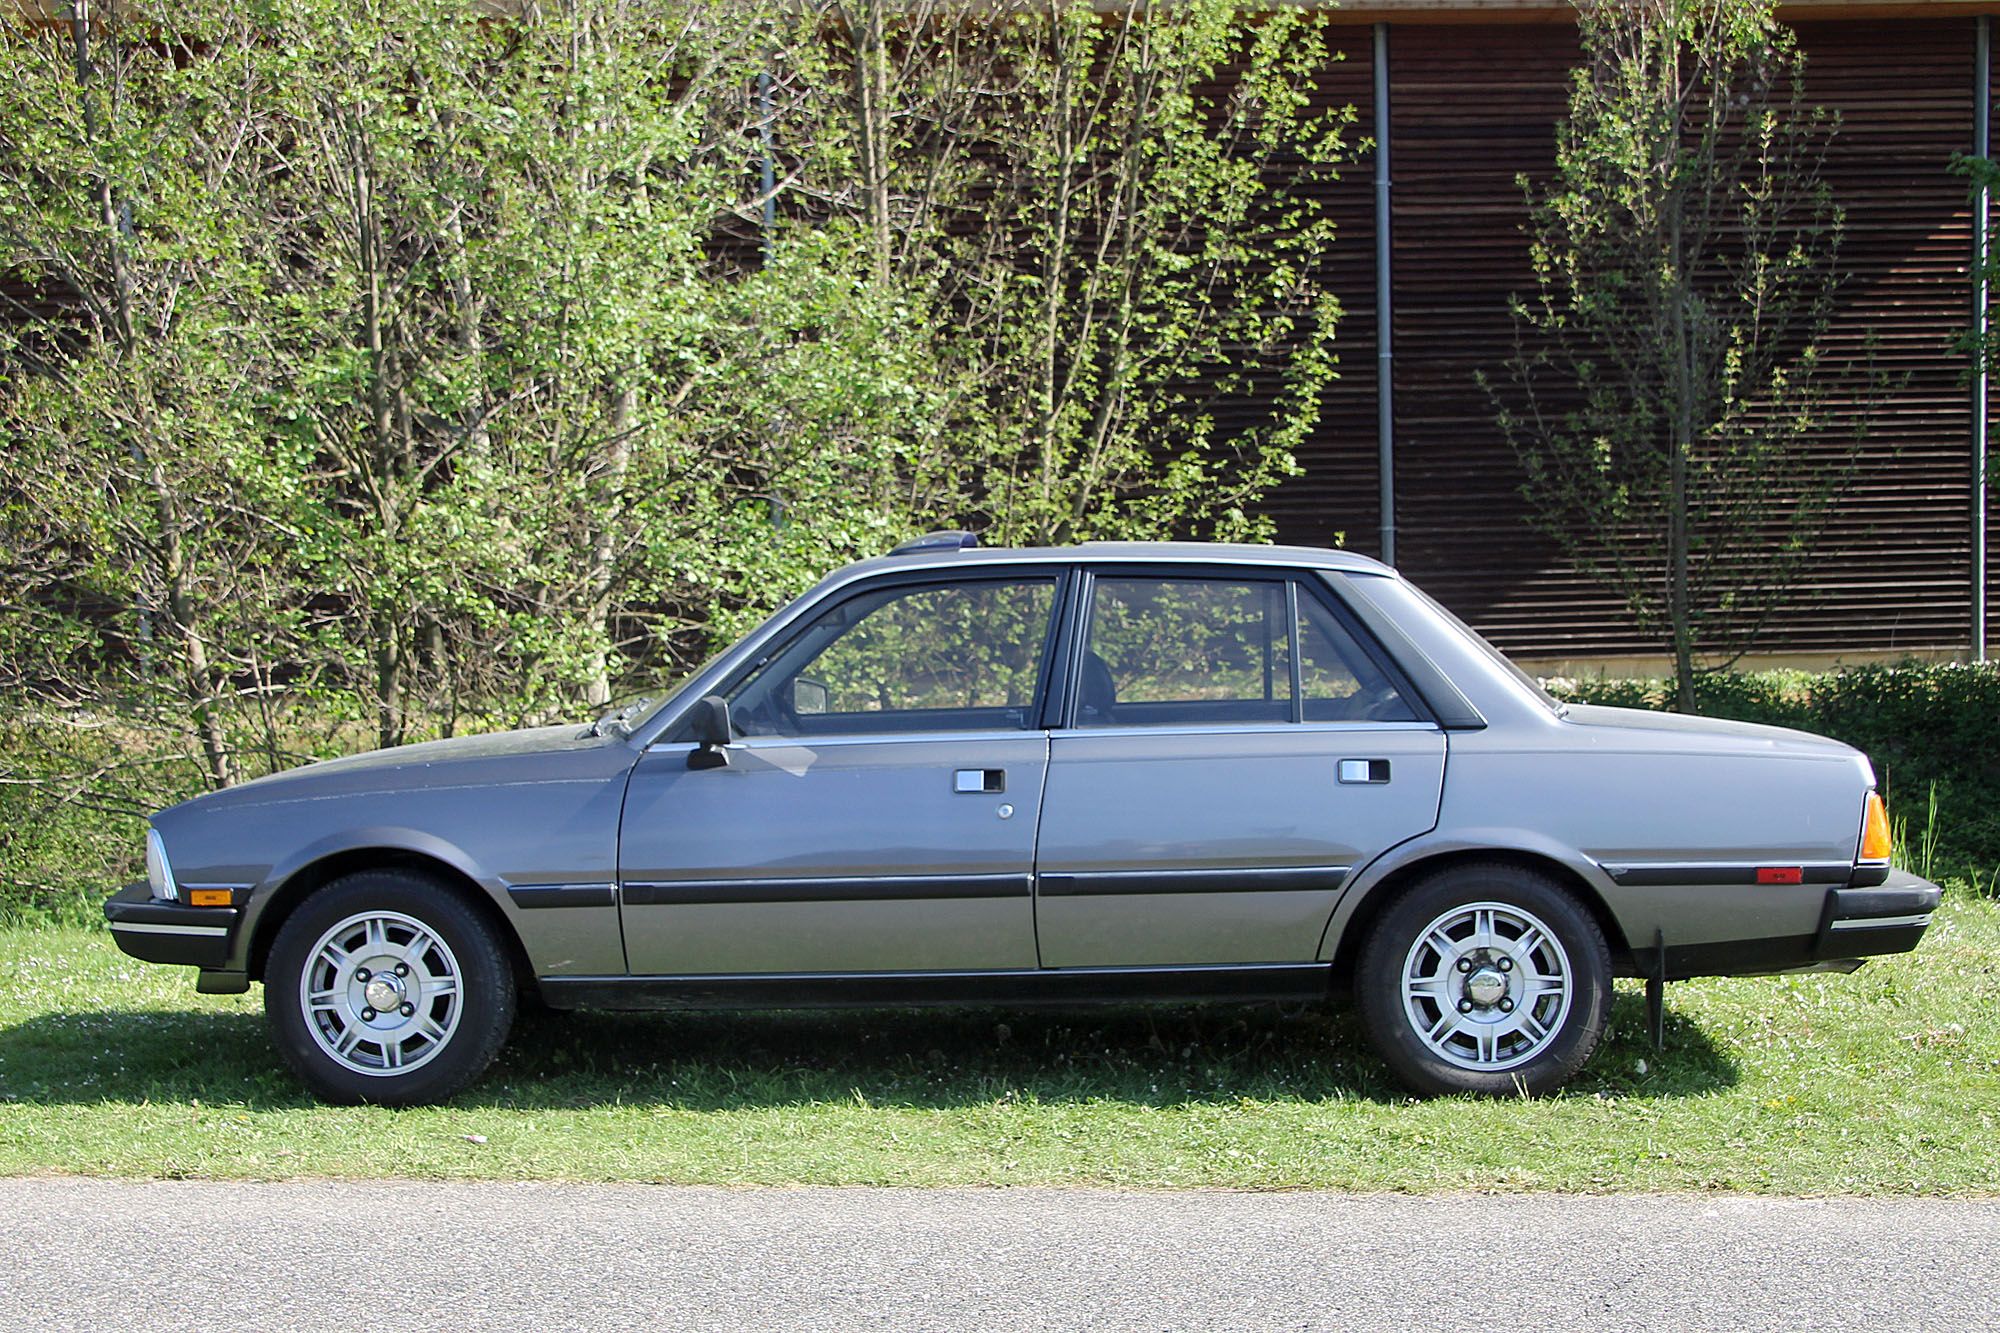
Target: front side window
(937, 657)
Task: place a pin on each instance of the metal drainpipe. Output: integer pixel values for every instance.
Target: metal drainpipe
(1385, 382)
(1982, 114)
(769, 174)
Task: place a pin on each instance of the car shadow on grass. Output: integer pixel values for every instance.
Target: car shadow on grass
(939, 1059)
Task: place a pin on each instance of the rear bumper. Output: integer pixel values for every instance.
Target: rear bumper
(1889, 918)
(156, 931)
(1854, 923)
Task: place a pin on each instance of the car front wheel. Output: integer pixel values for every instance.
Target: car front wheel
(388, 987)
(1487, 978)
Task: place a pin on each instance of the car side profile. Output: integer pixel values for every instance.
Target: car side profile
(1110, 772)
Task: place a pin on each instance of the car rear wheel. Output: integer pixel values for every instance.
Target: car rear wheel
(388, 987)
(1486, 978)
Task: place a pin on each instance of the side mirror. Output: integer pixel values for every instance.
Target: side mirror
(710, 716)
(809, 696)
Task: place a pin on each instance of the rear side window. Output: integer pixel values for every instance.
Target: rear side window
(1339, 681)
(1171, 651)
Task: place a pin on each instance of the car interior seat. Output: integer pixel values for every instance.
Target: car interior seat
(1096, 692)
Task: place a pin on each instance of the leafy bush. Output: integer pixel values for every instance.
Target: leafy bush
(1932, 730)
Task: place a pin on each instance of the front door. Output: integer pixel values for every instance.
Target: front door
(877, 814)
(1232, 752)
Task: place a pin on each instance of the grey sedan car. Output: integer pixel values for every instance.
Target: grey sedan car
(1100, 773)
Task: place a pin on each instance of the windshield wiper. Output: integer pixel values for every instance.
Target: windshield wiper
(621, 720)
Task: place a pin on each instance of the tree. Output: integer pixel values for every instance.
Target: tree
(136, 526)
(1669, 393)
(1110, 218)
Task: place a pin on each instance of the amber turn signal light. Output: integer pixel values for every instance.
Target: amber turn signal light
(1876, 842)
(208, 897)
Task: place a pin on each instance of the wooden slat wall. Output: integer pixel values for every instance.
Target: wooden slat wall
(1473, 107)
(1335, 499)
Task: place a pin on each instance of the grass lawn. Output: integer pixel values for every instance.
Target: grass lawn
(1883, 1082)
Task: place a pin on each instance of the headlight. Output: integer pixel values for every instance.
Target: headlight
(159, 871)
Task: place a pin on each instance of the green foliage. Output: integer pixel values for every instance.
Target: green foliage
(428, 371)
(1932, 730)
(1143, 186)
(1669, 396)
(1981, 343)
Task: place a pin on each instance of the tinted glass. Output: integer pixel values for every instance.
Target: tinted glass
(1163, 651)
(943, 657)
(1338, 682)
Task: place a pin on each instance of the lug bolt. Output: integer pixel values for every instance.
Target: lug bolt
(1506, 1006)
(402, 969)
(1465, 1006)
(1464, 965)
(409, 1010)
(1506, 965)
(361, 974)
(368, 1015)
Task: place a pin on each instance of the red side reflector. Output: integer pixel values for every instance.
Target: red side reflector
(1781, 875)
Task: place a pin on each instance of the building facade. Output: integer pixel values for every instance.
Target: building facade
(1464, 99)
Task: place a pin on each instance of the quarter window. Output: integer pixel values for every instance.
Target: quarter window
(1339, 682)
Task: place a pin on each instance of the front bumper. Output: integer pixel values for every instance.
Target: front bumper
(156, 931)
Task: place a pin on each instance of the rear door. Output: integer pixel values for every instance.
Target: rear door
(1230, 749)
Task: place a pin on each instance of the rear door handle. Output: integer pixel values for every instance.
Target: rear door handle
(979, 781)
(1369, 771)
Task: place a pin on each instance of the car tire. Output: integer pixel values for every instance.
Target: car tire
(1486, 978)
(389, 987)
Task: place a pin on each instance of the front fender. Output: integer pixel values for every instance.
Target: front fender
(281, 888)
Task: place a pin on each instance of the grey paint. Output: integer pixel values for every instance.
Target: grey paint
(531, 807)
(1175, 798)
(1581, 788)
(872, 812)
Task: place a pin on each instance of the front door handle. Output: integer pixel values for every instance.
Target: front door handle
(979, 781)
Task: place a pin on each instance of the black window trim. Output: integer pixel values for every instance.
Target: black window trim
(1059, 577)
(1059, 711)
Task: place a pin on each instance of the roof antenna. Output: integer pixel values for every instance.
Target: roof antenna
(948, 540)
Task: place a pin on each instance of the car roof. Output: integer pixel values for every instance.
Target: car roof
(1206, 553)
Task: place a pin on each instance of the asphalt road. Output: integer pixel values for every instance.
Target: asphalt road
(382, 1257)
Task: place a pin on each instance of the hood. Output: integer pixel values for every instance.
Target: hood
(451, 762)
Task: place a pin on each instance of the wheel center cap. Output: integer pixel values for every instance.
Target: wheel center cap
(384, 992)
(1486, 987)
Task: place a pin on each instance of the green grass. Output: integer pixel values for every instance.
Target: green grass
(1883, 1082)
